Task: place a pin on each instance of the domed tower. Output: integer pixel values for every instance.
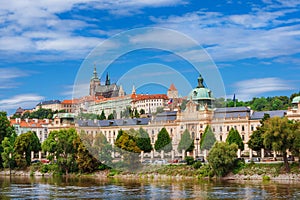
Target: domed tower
(94, 83)
(296, 103)
(202, 96)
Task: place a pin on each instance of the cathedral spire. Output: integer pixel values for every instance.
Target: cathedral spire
(95, 75)
(107, 80)
(133, 90)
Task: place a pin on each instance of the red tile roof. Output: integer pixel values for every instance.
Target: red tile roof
(140, 97)
(172, 87)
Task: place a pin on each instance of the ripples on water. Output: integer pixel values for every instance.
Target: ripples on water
(90, 188)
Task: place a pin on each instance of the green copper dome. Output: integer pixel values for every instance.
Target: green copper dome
(200, 92)
(296, 99)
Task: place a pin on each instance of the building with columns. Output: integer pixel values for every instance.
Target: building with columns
(199, 113)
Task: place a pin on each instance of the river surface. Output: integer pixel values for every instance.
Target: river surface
(94, 188)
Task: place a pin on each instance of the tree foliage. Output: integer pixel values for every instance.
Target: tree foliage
(234, 137)
(295, 149)
(24, 144)
(208, 139)
(186, 142)
(6, 130)
(221, 157)
(256, 141)
(163, 141)
(8, 151)
(98, 146)
(127, 143)
(143, 140)
(279, 136)
(102, 116)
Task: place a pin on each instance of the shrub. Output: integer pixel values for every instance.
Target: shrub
(197, 165)
(189, 160)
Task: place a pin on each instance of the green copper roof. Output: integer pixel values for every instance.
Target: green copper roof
(200, 93)
(296, 99)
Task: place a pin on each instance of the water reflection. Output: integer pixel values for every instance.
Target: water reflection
(95, 188)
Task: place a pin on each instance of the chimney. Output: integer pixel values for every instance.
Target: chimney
(26, 120)
(18, 120)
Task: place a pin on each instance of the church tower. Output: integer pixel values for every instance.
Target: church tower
(95, 82)
(172, 92)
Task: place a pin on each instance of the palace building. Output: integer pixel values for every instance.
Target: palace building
(198, 114)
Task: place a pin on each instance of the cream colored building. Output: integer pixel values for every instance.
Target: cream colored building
(199, 113)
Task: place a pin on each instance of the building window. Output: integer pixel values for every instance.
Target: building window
(152, 140)
(193, 135)
(228, 128)
(221, 138)
(243, 128)
(214, 129)
(243, 137)
(201, 125)
(220, 128)
(252, 128)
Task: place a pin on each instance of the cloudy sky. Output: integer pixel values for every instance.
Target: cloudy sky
(255, 45)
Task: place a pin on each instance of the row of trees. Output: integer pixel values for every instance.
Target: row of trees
(41, 113)
(65, 147)
(259, 103)
(279, 135)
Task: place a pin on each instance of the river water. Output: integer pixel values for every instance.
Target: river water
(93, 188)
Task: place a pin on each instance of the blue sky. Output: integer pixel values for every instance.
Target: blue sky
(44, 44)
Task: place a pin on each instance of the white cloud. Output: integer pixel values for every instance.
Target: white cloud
(254, 87)
(23, 100)
(169, 39)
(8, 76)
(260, 33)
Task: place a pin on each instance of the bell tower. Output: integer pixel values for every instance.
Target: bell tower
(95, 82)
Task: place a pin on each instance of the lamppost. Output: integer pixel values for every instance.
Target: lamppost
(197, 140)
(9, 163)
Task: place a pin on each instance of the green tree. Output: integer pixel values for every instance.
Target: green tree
(6, 130)
(127, 144)
(61, 144)
(186, 142)
(84, 160)
(8, 151)
(234, 137)
(295, 149)
(98, 146)
(183, 104)
(142, 111)
(102, 116)
(143, 140)
(208, 139)
(221, 158)
(159, 110)
(278, 136)
(163, 141)
(136, 113)
(24, 144)
(111, 116)
(256, 141)
(260, 104)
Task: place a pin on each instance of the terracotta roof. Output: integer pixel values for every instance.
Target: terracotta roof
(70, 101)
(150, 96)
(30, 124)
(172, 87)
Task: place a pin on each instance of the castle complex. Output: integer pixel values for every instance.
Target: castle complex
(198, 114)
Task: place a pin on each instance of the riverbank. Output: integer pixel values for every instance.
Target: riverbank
(251, 171)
